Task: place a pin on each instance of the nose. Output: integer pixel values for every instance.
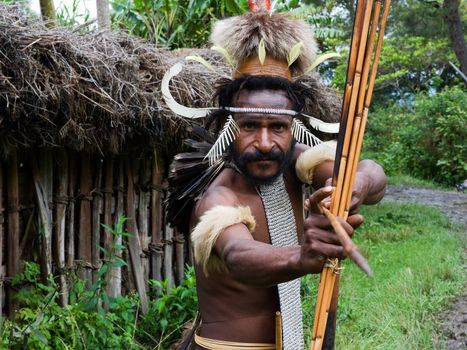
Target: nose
(264, 143)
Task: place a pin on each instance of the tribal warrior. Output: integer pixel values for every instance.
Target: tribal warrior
(252, 240)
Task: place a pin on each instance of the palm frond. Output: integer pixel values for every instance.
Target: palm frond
(302, 134)
(228, 134)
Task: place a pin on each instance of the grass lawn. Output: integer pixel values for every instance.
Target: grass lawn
(416, 257)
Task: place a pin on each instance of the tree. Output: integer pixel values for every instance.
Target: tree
(47, 9)
(103, 14)
(456, 32)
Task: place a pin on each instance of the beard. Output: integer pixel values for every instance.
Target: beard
(241, 161)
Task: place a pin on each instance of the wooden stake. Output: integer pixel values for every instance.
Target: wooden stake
(168, 256)
(143, 215)
(108, 237)
(85, 227)
(134, 245)
(13, 258)
(96, 220)
(2, 240)
(179, 241)
(156, 217)
(61, 201)
(70, 225)
(116, 275)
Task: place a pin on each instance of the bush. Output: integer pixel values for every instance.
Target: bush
(426, 141)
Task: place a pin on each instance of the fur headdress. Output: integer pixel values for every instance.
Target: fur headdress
(242, 36)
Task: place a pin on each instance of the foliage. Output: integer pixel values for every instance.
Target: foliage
(415, 255)
(429, 140)
(70, 16)
(173, 23)
(92, 320)
(172, 308)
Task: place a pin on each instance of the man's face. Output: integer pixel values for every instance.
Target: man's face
(264, 147)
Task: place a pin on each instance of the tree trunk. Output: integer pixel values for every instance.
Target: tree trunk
(103, 14)
(47, 9)
(456, 32)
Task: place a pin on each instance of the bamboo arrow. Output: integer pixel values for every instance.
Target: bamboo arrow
(357, 98)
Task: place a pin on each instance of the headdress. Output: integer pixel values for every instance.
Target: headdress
(258, 43)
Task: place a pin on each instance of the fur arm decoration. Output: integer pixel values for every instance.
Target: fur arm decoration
(210, 226)
(311, 158)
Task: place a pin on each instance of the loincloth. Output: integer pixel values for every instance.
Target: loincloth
(212, 344)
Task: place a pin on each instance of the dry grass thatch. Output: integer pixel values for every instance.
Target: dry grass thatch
(98, 91)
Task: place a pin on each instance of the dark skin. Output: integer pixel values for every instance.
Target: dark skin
(239, 305)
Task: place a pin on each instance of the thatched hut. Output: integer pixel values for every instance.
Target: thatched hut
(85, 138)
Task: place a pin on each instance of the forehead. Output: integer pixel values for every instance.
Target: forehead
(262, 98)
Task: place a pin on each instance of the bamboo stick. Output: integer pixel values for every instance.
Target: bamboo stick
(134, 243)
(85, 227)
(96, 221)
(13, 263)
(61, 201)
(156, 217)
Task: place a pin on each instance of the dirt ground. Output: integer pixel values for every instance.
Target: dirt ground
(454, 205)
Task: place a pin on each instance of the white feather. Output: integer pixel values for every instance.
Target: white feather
(228, 134)
(303, 135)
(330, 128)
(174, 106)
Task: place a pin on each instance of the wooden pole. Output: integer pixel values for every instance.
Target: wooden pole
(96, 220)
(70, 224)
(116, 275)
(143, 215)
(43, 184)
(2, 241)
(61, 201)
(13, 258)
(179, 241)
(85, 227)
(168, 256)
(156, 217)
(108, 237)
(134, 245)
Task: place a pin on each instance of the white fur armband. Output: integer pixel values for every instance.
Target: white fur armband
(210, 226)
(308, 160)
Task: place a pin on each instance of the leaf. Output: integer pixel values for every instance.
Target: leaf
(320, 59)
(201, 60)
(294, 53)
(261, 51)
(224, 53)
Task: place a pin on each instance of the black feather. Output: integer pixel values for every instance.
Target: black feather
(189, 176)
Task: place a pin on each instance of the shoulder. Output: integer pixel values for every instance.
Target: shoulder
(216, 195)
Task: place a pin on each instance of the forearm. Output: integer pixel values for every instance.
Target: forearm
(263, 265)
(375, 179)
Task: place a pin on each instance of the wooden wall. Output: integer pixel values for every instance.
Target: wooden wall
(52, 207)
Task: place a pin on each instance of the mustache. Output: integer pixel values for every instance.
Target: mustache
(257, 156)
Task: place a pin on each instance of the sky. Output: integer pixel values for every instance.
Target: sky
(82, 7)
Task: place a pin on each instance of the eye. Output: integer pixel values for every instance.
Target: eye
(279, 127)
(248, 126)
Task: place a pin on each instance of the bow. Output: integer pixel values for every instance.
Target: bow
(361, 75)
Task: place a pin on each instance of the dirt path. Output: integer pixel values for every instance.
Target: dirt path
(454, 205)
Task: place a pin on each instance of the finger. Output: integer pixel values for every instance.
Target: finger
(355, 220)
(329, 250)
(318, 196)
(320, 235)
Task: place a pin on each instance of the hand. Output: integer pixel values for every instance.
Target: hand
(319, 241)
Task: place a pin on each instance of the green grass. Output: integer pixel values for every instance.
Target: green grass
(416, 256)
(407, 180)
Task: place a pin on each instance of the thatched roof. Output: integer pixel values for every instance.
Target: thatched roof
(98, 91)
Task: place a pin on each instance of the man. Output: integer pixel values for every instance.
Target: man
(238, 298)
(251, 240)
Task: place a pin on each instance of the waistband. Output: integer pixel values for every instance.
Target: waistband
(212, 344)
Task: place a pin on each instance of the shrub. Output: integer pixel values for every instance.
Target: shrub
(426, 141)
